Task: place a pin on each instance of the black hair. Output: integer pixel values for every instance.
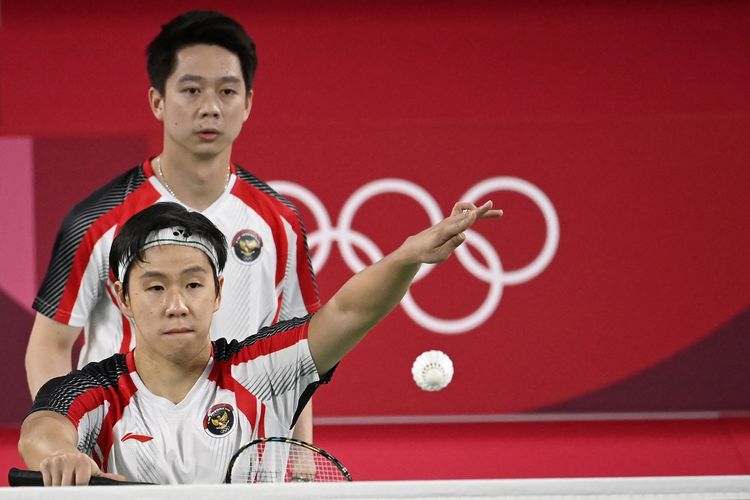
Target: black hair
(132, 237)
(199, 27)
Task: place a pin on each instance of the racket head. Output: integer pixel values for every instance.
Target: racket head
(284, 460)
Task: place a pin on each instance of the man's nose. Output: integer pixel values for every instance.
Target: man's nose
(176, 305)
(210, 105)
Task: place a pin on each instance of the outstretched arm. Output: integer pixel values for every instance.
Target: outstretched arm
(372, 293)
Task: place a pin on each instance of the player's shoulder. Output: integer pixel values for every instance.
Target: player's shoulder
(59, 393)
(267, 340)
(105, 373)
(263, 190)
(104, 199)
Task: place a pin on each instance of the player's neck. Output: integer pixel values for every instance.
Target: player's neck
(168, 378)
(195, 181)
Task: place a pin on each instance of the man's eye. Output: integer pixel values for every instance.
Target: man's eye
(155, 288)
(191, 90)
(195, 285)
(229, 92)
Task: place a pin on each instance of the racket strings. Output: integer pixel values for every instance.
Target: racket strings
(281, 462)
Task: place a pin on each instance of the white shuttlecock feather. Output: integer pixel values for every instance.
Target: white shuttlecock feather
(432, 370)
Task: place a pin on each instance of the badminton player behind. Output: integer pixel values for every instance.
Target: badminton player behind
(175, 408)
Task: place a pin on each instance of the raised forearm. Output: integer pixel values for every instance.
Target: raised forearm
(371, 294)
(360, 304)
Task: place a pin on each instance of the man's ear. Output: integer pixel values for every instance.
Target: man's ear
(122, 300)
(248, 104)
(217, 302)
(156, 101)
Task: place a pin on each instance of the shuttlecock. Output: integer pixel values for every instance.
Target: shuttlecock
(432, 370)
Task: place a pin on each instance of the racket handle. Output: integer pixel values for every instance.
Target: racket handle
(19, 477)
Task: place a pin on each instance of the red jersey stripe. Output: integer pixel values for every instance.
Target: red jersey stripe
(221, 374)
(278, 307)
(256, 200)
(127, 333)
(267, 345)
(119, 398)
(262, 426)
(141, 198)
(304, 269)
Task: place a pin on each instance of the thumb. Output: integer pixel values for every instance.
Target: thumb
(111, 475)
(97, 472)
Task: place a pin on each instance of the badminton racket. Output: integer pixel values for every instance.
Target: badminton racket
(284, 460)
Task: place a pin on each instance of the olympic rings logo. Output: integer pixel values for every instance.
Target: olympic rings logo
(321, 242)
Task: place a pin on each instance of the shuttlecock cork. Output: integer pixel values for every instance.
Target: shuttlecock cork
(432, 370)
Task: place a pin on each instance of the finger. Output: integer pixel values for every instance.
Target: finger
(446, 250)
(46, 476)
(486, 212)
(458, 240)
(462, 218)
(492, 214)
(452, 227)
(111, 475)
(483, 209)
(67, 478)
(456, 228)
(97, 472)
(82, 472)
(81, 478)
(51, 471)
(462, 206)
(454, 242)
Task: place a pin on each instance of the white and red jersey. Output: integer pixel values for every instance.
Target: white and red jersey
(268, 276)
(250, 389)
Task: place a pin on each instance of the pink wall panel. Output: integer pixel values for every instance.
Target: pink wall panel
(18, 253)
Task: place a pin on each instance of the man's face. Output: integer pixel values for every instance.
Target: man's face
(205, 101)
(172, 299)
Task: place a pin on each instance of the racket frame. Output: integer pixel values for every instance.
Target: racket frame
(291, 441)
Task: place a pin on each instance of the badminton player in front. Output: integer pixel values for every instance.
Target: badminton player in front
(175, 408)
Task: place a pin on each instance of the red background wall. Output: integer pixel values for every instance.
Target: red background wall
(632, 119)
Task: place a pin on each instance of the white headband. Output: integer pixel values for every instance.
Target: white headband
(172, 236)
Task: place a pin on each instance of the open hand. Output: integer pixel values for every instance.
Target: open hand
(436, 244)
